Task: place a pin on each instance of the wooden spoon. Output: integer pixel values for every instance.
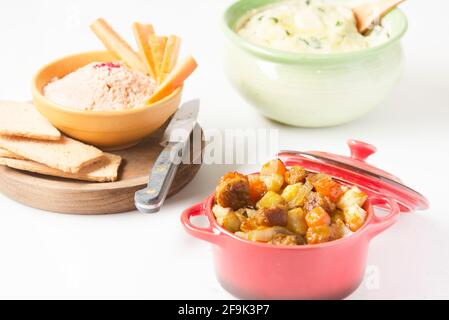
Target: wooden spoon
(369, 14)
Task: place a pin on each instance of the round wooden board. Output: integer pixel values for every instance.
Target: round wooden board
(78, 197)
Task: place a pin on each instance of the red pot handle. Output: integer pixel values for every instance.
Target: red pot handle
(208, 234)
(381, 223)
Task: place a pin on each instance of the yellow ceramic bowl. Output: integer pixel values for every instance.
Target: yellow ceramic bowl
(105, 129)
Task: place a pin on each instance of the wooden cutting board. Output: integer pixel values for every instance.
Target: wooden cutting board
(78, 197)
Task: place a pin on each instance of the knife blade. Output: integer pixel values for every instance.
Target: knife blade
(174, 140)
(182, 123)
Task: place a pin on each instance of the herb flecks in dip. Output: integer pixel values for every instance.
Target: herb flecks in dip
(310, 26)
(101, 86)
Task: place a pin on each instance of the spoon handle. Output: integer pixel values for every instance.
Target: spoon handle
(384, 6)
(369, 14)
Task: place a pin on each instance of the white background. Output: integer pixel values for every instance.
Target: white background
(48, 255)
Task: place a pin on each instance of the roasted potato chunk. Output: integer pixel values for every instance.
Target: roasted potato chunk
(353, 196)
(220, 212)
(227, 218)
(296, 221)
(290, 191)
(231, 222)
(354, 217)
(247, 212)
(273, 182)
(317, 217)
(295, 174)
(270, 199)
(296, 194)
(287, 240)
(319, 234)
(264, 234)
(242, 235)
(273, 167)
(270, 217)
(233, 191)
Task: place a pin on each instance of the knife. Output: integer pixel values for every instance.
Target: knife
(175, 138)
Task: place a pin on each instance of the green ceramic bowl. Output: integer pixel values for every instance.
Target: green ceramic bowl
(312, 90)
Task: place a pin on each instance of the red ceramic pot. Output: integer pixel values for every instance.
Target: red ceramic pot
(331, 270)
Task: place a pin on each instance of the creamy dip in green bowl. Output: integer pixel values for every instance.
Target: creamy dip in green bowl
(308, 26)
(303, 63)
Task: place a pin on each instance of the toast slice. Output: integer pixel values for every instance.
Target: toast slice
(23, 120)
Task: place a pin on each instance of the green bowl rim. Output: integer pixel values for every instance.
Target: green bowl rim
(290, 57)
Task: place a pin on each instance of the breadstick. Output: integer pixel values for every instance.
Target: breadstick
(117, 45)
(170, 58)
(142, 33)
(157, 45)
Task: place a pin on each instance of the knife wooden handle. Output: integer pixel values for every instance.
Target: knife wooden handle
(151, 199)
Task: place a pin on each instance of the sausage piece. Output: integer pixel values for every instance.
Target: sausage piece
(233, 191)
(314, 200)
(274, 216)
(295, 174)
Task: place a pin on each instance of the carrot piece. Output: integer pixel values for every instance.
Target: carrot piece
(142, 33)
(117, 45)
(329, 188)
(257, 188)
(170, 58)
(175, 79)
(157, 45)
(232, 175)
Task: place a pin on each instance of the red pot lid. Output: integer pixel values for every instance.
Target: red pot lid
(354, 170)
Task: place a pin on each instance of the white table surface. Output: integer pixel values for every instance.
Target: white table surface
(48, 255)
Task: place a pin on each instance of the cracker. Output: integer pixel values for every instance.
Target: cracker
(67, 155)
(104, 170)
(23, 120)
(6, 154)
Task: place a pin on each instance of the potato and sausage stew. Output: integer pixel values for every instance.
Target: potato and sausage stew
(288, 206)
